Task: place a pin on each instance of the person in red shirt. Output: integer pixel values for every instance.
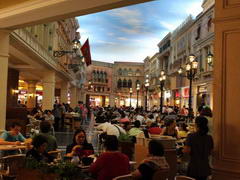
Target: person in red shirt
(111, 163)
(154, 129)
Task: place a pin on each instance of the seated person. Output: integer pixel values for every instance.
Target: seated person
(111, 129)
(45, 128)
(153, 163)
(48, 116)
(136, 129)
(183, 131)
(12, 137)
(111, 163)
(38, 152)
(170, 129)
(124, 118)
(80, 147)
(154, 129)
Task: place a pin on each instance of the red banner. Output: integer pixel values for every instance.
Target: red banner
(86, 53)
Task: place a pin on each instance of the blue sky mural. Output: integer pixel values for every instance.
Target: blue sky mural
(132, 33)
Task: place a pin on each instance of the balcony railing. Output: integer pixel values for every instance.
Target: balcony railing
(32, 43)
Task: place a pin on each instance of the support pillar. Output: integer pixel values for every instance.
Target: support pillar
(64, 92)
(4, 53)
(73, 97)
(111, 100)
(31, 99)
(48, 90)
(226, 101)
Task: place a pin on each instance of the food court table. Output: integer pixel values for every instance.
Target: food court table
(12, 147)
(71, 116)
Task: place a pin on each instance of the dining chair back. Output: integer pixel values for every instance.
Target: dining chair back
(183, 178)
(124, 177)
(12, 164)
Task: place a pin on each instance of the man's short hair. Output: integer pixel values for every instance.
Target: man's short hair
(45, 126)
(14, 124)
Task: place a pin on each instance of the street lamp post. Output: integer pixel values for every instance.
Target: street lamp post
(210, 59)
(130, 97)
(138, 88)
(162, 81)
(146, 86)
(191, 69)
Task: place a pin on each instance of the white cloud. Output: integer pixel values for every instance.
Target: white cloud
(125, 12)
(130, 30)
(110, 34)
(194, 8)
(122, 38)
(106, 42)
(131, 18)
(170, 26)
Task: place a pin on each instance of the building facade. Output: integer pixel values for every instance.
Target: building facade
(127, 75)
(202, 41)
(98, 85)
(42, 78)
(164, 58)
(181, 48)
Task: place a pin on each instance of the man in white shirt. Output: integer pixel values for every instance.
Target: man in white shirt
(111, 129)
(140, 118)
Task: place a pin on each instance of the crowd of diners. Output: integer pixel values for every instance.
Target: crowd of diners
(113, 122)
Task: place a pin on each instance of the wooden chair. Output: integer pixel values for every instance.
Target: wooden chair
(124, 177)
(161, 175)
(183, 178)
(11, 165)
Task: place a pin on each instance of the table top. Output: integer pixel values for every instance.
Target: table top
(12, 147)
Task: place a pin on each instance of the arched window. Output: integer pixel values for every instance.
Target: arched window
(130, 72)
(129, 83)
(94, 75)
(98, 76)
(105, 77)
(120, 72)
(101, 76)
(125, 83)
(119, 83)
(125, 72)
(138, 72)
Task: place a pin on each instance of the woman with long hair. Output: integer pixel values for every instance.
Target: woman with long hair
(80, 147)
(199, 145)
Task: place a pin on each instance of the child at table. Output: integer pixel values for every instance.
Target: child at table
(12, 137)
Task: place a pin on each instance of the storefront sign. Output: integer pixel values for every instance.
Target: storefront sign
(185, 92)
(167, 94)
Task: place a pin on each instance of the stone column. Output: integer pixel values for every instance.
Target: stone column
(111, 100)
(4, 53)
(64, 92)
(31, 99)
(48, 90)
(226, 86)
(73, 97)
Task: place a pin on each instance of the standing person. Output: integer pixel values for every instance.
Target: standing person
(199, 145)
(57, 116)
(111, 163)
